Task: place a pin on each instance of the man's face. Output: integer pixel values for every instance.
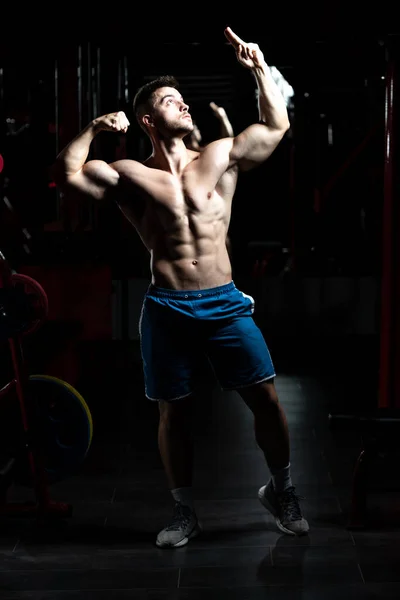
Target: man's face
(170, 113)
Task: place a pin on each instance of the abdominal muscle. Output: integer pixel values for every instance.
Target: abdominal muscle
(192, 255)
(186, 273)
(184, 227)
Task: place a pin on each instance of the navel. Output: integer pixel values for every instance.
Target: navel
(194, 262)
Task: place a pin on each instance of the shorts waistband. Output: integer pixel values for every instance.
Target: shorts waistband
(160, 292)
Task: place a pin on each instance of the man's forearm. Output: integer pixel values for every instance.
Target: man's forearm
(271, 104)
(226, 128)
(72, 158)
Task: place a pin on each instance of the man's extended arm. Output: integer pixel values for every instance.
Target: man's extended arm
(272, 106)
(258, 141)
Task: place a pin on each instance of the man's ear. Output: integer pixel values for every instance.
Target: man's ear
(147, 120)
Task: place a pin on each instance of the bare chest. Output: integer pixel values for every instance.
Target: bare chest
(186, 199)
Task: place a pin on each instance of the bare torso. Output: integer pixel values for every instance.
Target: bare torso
(182, 218)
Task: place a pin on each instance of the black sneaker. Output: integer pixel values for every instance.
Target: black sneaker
(183, 527)
(285, 508)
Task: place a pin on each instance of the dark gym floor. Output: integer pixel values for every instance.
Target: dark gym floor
(106, 549)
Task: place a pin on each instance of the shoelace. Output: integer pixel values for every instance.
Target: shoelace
(289, 503)
(181, 518)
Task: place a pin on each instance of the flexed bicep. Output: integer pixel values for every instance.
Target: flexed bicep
(254, 145)
(94, 179)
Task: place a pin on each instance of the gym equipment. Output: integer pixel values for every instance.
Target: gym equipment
(23, 306)
(63, 423)
(379, 431)
(380, 428)
(46, 426)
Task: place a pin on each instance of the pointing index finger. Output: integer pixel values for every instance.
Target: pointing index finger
(233, 38)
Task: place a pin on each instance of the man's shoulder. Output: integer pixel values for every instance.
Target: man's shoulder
(221, 145)
(217, 150)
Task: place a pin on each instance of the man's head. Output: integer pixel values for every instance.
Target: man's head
(158, 105)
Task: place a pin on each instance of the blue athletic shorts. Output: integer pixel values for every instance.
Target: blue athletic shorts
(181, 330)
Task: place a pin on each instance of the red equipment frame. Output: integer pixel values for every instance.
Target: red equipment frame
(44, 506)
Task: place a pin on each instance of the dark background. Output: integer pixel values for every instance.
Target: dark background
(319, 199)
(314, 209)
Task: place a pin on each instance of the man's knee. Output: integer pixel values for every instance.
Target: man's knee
(175, 411)
(260, 396)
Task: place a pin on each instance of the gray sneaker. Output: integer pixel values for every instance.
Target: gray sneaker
(285, 508)
(183, 527)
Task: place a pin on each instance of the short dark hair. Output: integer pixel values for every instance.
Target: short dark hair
(143, 94)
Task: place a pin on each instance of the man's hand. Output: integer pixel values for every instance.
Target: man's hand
(249, 55)
(226, 129)
(112, 122)
(218, 111)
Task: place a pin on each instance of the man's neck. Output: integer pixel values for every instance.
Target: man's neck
(171, 156)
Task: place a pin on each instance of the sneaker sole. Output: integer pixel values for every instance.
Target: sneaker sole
(195, 532)
(270, 508)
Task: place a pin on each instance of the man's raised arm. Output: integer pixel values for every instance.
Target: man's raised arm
(70, 169)
(257, 142)
(271, 103)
